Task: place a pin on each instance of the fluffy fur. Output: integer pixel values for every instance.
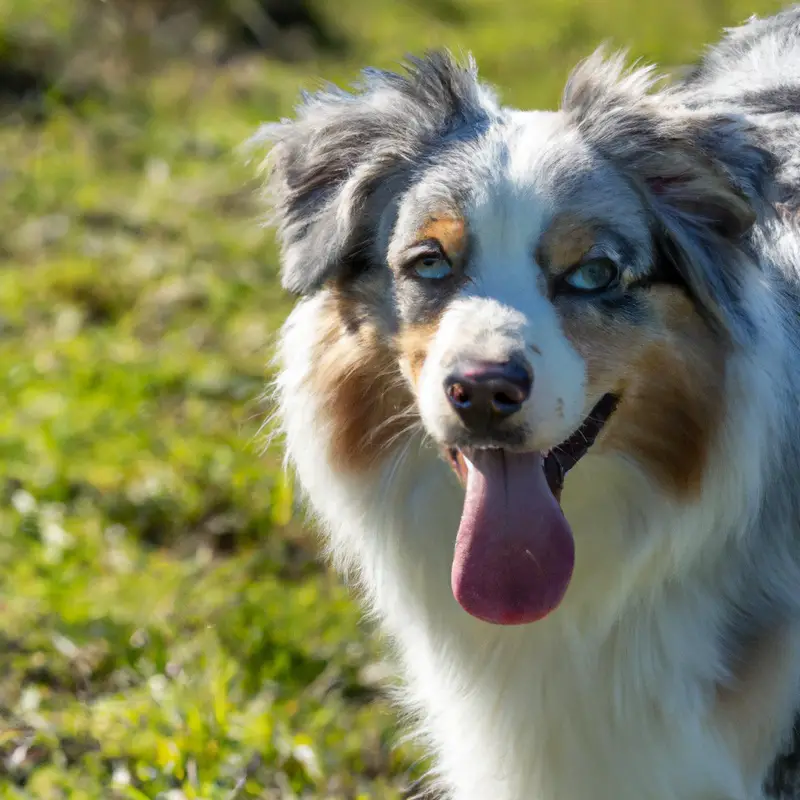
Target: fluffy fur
(671, 668)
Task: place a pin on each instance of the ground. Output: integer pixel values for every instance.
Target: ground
(166, 629)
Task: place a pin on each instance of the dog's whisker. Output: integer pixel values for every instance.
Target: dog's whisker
(397, 463)
(406, 414)
(409, 431)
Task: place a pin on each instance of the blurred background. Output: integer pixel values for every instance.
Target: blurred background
(166, 630)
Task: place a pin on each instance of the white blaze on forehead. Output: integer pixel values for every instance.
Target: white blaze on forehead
(537, 141)
(526, 163)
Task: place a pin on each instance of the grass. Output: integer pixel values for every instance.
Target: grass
(166, 630)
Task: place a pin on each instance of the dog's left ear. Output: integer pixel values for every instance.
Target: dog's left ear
(336, 167)
(702, 173)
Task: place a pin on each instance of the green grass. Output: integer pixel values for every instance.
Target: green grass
(165, 627)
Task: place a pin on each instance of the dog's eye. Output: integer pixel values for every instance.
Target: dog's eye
(432, 267)
(593, 276)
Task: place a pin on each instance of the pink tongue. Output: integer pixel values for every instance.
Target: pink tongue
(514, 552)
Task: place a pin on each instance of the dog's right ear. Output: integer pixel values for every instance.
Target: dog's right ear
(334, 169)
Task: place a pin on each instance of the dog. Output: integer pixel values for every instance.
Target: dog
(541, 393)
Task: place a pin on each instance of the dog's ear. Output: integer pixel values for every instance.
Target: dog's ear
(702, 173)
(334, 168)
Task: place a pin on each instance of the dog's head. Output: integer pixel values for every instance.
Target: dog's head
(521, 283)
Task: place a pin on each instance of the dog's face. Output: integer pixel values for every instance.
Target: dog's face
(521, 284)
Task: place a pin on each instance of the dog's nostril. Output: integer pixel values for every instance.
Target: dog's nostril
(502, 400)
(458, 394)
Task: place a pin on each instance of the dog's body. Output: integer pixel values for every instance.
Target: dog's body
(623, 257)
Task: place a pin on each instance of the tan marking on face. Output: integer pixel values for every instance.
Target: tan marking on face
(449, 231)
(671, 413)
(356, 375)
(413, 344)
(670, 373)
(565, 242)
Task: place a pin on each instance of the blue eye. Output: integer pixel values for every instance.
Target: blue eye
(593, 276)
(432, 268)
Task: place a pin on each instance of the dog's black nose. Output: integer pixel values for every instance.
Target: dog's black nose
(485, 392)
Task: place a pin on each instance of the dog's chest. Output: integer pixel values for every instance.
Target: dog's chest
(524, 719)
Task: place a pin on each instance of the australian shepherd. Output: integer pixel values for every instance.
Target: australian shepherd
(542, 392)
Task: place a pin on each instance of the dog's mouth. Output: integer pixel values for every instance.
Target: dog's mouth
(558, 461)
(514, 551)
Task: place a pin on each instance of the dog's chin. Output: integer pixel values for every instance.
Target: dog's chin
(557, 461)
